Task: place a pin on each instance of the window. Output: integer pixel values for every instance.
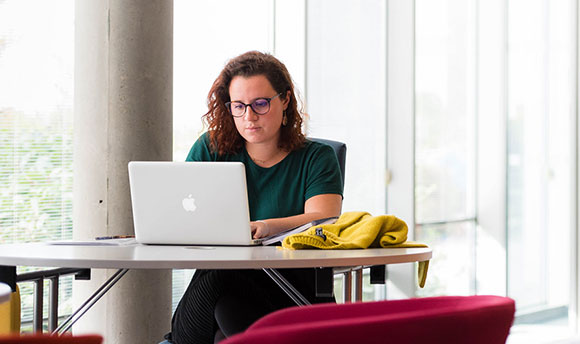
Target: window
(346, 92)
(445, 142)
(346, 100)
(36, 95)
(540, 154)
(496, 86)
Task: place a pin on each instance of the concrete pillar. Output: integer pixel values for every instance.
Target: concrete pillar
(123, 112)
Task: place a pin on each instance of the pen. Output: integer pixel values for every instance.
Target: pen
(114, 237)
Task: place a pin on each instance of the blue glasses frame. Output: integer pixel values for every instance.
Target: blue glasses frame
(254, 105)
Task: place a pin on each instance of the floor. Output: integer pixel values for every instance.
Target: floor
(556, 331)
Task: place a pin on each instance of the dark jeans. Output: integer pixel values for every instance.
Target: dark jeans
(231, 300)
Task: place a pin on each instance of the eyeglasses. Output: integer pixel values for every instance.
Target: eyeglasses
(261, 106)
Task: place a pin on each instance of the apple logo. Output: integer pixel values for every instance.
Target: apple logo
(189, 203)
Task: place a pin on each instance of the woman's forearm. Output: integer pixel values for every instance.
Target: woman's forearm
(317, 207)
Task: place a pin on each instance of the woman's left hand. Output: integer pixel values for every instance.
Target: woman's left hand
(259, 229)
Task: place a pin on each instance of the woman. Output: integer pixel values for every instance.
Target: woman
(253, 117)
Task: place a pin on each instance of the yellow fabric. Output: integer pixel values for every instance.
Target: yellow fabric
(422, 269)
(354, 230)
(10, 314)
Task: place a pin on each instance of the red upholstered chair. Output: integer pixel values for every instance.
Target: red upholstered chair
(47, 339)
(433, 320)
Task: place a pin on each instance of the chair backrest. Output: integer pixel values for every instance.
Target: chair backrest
(433, 320)
(339, 149)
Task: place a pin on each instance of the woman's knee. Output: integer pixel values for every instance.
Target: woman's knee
(234, 313)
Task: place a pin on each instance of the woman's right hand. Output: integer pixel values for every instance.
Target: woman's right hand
(259, 229)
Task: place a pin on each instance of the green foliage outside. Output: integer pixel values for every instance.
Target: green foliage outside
(35, 178)
(36, 187)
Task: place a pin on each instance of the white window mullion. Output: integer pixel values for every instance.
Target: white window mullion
(401, 132)
(574, 221)
(491, 146)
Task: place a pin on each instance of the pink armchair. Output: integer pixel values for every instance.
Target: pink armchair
(433, 320)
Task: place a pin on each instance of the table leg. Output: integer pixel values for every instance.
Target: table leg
(347, 286)
(53, 303)
(358, 284)
(73, 318)
(288, 288)
(37, 305)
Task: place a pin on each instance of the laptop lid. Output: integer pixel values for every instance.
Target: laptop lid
(190, 203)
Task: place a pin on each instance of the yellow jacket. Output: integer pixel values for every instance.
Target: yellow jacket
(355, 230)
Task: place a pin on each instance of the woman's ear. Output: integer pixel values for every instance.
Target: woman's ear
(286, 100)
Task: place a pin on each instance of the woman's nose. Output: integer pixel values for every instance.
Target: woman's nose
(250, 115)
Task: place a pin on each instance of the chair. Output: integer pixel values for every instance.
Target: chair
(434, 320)
(325, 280)
(47, 339)
(339, 149)
(377, 272)
(9, 309)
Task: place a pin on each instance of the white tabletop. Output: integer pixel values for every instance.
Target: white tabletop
(5, 292)
(191, 257)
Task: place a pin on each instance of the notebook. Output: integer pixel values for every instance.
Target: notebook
(190, 203)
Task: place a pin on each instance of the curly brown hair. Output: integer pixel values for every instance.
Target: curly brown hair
(223, 135)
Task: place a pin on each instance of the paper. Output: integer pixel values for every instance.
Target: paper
(105, 242)
(280, 236)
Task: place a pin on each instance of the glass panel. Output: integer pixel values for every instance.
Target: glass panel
(540, 152)
(346, 92)
(540, 75)
(36, 94)
(181, 280)
(346, 97)
(445, 143)
(445, 112)
(199, 57)
(36, 129)
(451, 270)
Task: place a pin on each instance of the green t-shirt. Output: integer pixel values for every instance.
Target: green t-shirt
(282, 189)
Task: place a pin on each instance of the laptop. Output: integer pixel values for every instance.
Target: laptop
(190, 203)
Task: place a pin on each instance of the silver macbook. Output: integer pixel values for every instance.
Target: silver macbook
(190, 203)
